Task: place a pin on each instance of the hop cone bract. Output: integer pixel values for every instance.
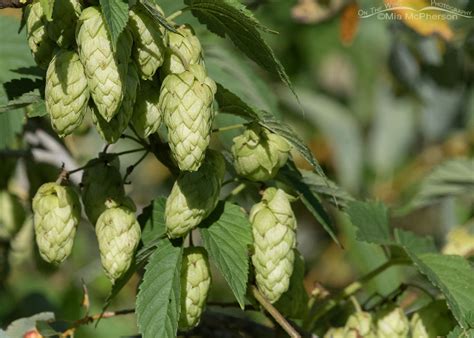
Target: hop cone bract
(111, 130)
(12, 215)
(148, 48)
(57, 212)
(360, 324)
(259, 154)
(194, 195)
(460, 241)
(186, 100)
(335, 332)
(101, 181)
(392, 324)
(41, 46)
(187, 45)
(106, 71)
(63, 26)
(118, 234)
(66, 92)
(273, 227)
(195, 283)
(146, 118)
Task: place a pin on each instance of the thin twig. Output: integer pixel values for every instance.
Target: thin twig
(174, 15)
(131, 168)
(226, 128)
(136, 139)
(237, 190)
(275, 313)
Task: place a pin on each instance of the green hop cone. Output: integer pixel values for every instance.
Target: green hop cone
(41, 46)
(195, 283)
(63, 26)
(118, 234)
(146, 118)
(186, 100)
(335, 332)
(12, 215)
(66, 92)
(392, 323)
(259, 154)
(273, 226)
(418, 328)
(194, 196)
(360, 324)
(101, 181)
(182, 47)
(106, 70)
(148, 48)
(113, 129)
(57, 212)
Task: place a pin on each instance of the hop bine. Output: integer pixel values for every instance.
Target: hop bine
(57, 212)
(259, 154)
(194, 196)
(106, 71)
(118, 234)
(66, 92)
(195, 283)
(146, 118)
(273, 226)
(186, 100)
(62, 27)
(41, 46)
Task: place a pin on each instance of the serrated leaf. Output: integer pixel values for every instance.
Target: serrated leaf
(231, 18)
(116, 17)
(371, 220)
(48, 6)
(294, 302)
(414, 243)
(290, 175)
(20, 102)
(226, 234)
(148, 5)
(459, 332)
(158, 300)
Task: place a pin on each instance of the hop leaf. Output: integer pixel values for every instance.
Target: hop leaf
(259, 154)
(111, 130)
(195, 283)
(148, 48)
(146, 118)
(41, 46)
(12, 215)
(66, 92)
(118, 234)
(194, 196)
(392, 323)
(273, 227)
(63, 26)
(184, 46)
(106, 71)
(57, 212)
(101, 181)
(186, 100)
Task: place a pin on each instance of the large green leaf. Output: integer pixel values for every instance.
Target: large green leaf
(158, 300)
(231, 18)
(226, 234)
(116, 17)
(459, 332)
(371, 220)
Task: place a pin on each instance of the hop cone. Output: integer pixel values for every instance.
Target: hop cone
(460, 241)
(335, 332)
(195, 283)
(101, 181)
(111, 130)
(148, 48)
(360, 324)
(393, 324)
(118, 234)
(186, 45)
(146, 118)
(418, 328)
(63, 26)
(186, 100)
(259, 154)
(106, 71)
(273, 227)
(12, 215)
(66, 92)
(57, 212)
(194, 196)
(41, 46)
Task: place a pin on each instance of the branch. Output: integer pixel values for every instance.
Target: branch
(13, 3)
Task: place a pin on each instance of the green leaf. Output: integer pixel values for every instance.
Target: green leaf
(231, 18)
(451, 178)
(116, 17)
(292, 177)
(371, 220)
(11, 125)
(152, 221)
(226, 234)
(294, 302)
(416, 244)
(20, 102)
(459, 332)
(454, 276)
(158, 300)
(149, 6)
(16, 88)
(48, 6)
